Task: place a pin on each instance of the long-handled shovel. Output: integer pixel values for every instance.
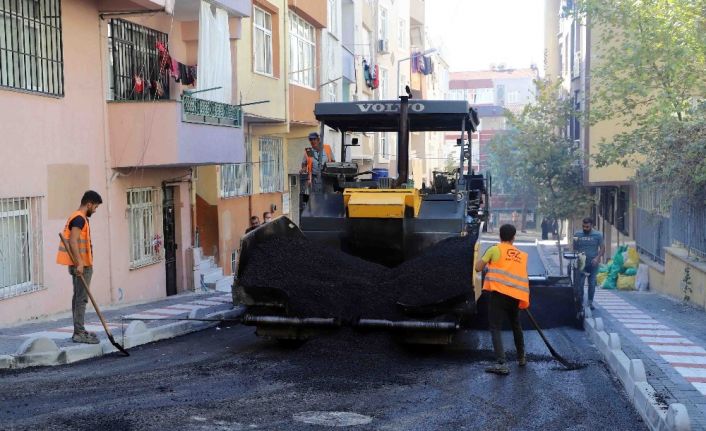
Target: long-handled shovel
(93, 301)
(555, 354)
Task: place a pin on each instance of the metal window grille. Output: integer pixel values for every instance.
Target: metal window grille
(236, 179)
(144, 221)
(21, 246)
(135, 57)
(271, 165)
(31, 51)
(262, 41)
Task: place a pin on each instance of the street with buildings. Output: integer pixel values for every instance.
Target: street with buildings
(195, 123)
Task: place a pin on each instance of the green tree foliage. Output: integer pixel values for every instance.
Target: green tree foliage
(537, 154)
(648, 73)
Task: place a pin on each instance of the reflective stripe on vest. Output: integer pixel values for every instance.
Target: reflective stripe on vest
(310, 160)
(509, 275)
(84, 243)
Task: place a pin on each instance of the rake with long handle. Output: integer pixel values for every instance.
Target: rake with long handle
(93, 301)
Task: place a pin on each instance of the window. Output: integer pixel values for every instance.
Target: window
(333, 17)
(236, 178)
(135, 59)
(513, 96)
(302, 51)
(482, 96)
(142, 208)
(234, 262)
(383, 83)
(271, 165)
(382, 24)
(402, 33)
(20, 246)
(31, 56)
(383, 145)
(262, 41)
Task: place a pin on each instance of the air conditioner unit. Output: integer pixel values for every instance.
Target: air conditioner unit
(383, 46)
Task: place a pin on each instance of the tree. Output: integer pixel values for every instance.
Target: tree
(649, 76)
(509, 166)
(538, 153)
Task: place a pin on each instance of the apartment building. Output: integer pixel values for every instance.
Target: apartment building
(625, 210)
(492, 92)
(571, 48)
(91, 101)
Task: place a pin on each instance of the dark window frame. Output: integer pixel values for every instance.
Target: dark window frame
(31, 46)
(134, 53)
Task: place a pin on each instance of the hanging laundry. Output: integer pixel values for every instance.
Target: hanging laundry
(376, 77)
(367, 74)
(138, 84)
(428, 66)
(165, 60)
(175, 71)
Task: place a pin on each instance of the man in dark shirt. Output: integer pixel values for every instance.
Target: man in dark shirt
(77, 232)
(590, 242)
(254, 224)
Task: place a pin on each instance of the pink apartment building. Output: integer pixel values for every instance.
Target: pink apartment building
(88, 101)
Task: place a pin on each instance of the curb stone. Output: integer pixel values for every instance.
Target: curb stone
(631, 374)
(7, 361)
(37, 351)
(44, 351)
(78, 353)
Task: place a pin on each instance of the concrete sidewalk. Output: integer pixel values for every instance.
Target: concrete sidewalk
(48, 342)
(668, 336)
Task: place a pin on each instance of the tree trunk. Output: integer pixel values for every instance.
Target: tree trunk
(523, 222)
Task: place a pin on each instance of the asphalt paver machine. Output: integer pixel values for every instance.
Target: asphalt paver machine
(384, 220)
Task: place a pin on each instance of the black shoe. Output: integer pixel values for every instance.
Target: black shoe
(499, 369)
(522, 361)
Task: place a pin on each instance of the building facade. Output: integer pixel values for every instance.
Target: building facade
(91, 101)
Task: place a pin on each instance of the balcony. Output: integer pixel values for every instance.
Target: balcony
(170, 133)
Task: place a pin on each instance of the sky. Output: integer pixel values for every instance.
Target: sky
(472, 34)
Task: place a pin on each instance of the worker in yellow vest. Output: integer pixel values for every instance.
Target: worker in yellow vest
(507, 286)
(77, 232)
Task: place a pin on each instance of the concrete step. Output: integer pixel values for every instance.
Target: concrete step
(205, 265)
(225, 284)
(213, 275)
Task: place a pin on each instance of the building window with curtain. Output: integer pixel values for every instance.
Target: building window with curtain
(382, 24)
(236, 178)
(143, 207)
(135, 62)
(21, 246)
(262, 41)
(271, 165)
(302, 51)
(31, 56)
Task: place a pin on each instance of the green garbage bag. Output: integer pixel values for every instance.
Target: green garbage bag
(614, 269)
(631, 271)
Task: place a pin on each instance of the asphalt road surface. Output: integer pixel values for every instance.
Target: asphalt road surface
(228, 379)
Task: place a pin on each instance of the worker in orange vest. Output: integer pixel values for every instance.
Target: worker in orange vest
(507, 284)
(77, 232)
(314, 160)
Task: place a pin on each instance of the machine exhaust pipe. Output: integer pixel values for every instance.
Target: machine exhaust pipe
(403, 142)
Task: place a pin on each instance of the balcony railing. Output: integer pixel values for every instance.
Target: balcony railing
(203, 111)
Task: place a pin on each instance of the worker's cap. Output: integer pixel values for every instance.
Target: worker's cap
(313, 135)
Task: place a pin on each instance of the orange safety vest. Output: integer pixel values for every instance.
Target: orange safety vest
(509, 274)
(310, 160)
(85, 247)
